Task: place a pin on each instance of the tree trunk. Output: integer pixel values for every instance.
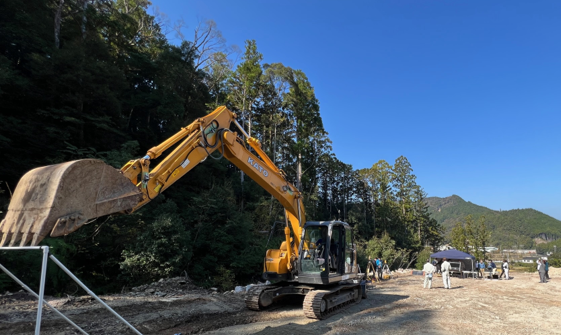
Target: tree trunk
(241, 172)
(81, 94)
(275, 145)
(270, 131)
(81, 113)
(298, 162)
(58, 19)
(84, 18)
(299, 171)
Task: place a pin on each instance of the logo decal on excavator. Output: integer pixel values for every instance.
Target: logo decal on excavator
(258, 167)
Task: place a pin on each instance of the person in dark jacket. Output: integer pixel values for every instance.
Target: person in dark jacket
(546, 269)
(493, 267)
(378, 268)
(502, 271)
(477, 268)
(439, 266)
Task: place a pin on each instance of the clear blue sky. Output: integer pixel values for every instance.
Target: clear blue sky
(468, 91)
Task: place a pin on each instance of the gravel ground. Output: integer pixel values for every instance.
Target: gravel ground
(397, 306)
(401, 306)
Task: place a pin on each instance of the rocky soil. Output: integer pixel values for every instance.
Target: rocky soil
(397, 306)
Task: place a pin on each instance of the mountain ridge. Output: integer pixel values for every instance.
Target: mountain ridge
(515, 228)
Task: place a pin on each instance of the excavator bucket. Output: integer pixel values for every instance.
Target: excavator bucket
(59, 199)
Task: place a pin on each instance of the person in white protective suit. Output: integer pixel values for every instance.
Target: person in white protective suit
(428, 269)
(446, 268)
(505, 268)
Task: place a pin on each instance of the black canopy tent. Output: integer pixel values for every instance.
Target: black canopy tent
(457, 256)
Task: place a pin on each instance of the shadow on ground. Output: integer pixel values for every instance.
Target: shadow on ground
(384, 316)
(353, 317)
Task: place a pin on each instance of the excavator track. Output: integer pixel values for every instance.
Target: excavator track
(252, 299)
(319, 304)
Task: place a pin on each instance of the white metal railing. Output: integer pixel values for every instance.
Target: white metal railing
(41, 294)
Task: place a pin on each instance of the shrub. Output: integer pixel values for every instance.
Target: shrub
(422, 258)
(224, 280)
(555, 260)
(163, 249)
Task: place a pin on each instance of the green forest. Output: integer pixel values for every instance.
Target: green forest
(100, 79)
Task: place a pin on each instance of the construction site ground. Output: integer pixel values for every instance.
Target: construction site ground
(396, 306)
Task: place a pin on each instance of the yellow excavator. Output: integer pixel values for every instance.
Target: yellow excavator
(317, 259)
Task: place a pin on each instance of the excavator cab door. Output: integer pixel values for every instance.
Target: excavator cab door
(350, 252)
(336, 249)
(341, 250)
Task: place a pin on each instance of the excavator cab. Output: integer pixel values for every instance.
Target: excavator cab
(326, 272)
(327, 253)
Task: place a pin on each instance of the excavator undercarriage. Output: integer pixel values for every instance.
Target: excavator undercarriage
(319, 302)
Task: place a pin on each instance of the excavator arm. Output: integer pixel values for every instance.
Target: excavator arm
(194, 144)
(59, 199)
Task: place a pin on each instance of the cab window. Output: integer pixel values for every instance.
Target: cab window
(314, 249)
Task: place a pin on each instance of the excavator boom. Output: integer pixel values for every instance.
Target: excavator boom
(59, 199)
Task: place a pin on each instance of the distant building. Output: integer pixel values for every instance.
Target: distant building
(530, 259)
(520, 251)
(445, 247)
(486, 249)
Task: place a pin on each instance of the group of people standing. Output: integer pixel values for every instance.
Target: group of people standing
(445, 268)
(430, 269)
(543, 270)
(492, 267)
(378, 265)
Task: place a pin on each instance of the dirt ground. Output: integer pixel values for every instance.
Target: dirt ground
(397, 306)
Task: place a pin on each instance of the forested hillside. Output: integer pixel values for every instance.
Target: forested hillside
(99, 79)
(517, 228)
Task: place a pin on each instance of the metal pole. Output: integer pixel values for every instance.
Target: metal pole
(21, 248)
(41, 289)
(25, 287)
(53, 258)
(241, 129)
